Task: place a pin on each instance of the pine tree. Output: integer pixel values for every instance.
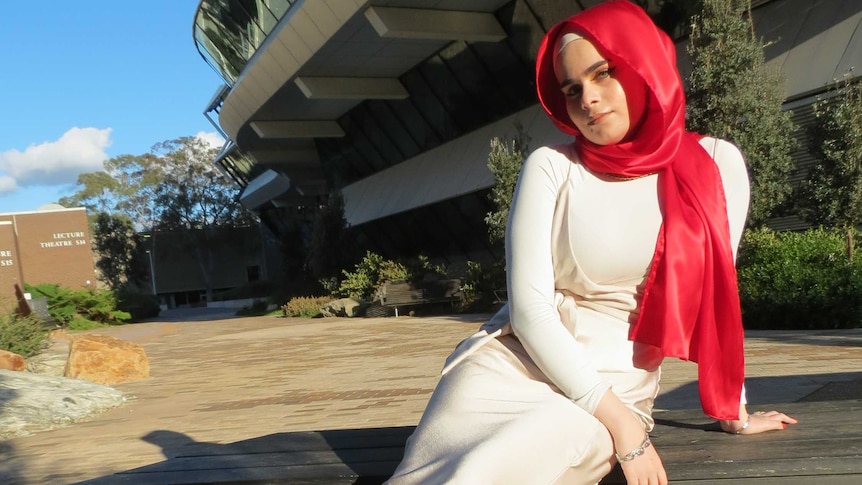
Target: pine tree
(733, 95)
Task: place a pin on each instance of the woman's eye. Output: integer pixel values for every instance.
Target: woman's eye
(574, 92)
(604, 73)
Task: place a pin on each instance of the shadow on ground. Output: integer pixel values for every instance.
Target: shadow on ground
(762, 391)
(194, 314)
(321, 457)
(836, 338)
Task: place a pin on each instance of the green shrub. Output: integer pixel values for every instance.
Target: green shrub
(22, 335)
(504, 161)
(72, 307)
(420, 267)
(374, 270)
(305, 306)
(81, 323)
(368, 275)
(483, 284)
(798, 281)
(139, 306)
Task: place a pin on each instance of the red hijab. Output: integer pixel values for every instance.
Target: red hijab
(690, 305)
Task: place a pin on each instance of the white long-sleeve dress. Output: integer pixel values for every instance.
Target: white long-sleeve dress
(515, 403)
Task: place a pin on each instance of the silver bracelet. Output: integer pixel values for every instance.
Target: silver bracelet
(744, 425)
(635, 452)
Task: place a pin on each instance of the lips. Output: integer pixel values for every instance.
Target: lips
(598, 118)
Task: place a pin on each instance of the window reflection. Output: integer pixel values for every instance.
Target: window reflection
(228, 32)
(239, 165)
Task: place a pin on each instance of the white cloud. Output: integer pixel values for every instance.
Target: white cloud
(214, 139)
(58, 162)
(7, 184)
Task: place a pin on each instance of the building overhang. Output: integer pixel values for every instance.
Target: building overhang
(327, 56)
(273, 188)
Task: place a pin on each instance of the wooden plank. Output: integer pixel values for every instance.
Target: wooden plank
(826, 447)
(827, 442)
(319, 474)
(406, 294)
(806, 480)
(305, 441)
(369, 458)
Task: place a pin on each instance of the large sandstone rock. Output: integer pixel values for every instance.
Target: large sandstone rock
(345, 307)
(12, 361)
(106, 360)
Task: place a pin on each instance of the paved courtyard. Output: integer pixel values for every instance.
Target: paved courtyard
(222, 380)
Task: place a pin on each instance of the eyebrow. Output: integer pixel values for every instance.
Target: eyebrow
(567, 82)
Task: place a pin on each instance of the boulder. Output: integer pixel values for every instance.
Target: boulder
(106, 360)
(345, 307)
(33, 402)
(12, 361)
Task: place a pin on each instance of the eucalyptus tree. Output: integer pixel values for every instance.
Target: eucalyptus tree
(174, 187)
(198, 202)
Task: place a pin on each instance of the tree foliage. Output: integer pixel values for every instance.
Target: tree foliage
(735, 96)
(120, 252)
(831, 195)
(192, 192)
(329, 251)
(504, 161)
(174, 187)
(125, 187)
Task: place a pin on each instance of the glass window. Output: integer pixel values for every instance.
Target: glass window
(278, 7)
(253, 273)
(229, 32)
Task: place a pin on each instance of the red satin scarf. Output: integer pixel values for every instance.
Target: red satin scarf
(690, 305)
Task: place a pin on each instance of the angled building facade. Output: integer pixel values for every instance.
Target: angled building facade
(393, 102)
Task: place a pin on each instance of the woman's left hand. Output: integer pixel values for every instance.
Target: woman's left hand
(758, 422)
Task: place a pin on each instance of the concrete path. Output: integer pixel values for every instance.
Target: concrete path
(230, 379)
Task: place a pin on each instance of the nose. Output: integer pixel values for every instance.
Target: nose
(589, 96)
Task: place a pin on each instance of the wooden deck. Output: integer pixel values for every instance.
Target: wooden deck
(824, 448)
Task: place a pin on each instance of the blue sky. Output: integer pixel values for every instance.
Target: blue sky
(86, 80)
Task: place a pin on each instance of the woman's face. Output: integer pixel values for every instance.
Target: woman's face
(595, 98)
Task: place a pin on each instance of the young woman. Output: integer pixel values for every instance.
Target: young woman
(620, 251)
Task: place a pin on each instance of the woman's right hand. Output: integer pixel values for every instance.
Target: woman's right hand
(646, 469)
(628, 434)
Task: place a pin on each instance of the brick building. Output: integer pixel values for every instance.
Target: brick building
(46, 246)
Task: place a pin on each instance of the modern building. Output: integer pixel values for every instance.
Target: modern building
(182, 265)
(46, 246)
(393, 102)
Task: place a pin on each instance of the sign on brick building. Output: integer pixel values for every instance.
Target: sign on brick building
(49, 246)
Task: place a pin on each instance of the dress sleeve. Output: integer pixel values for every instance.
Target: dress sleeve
(737, 191)
(535, 318)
